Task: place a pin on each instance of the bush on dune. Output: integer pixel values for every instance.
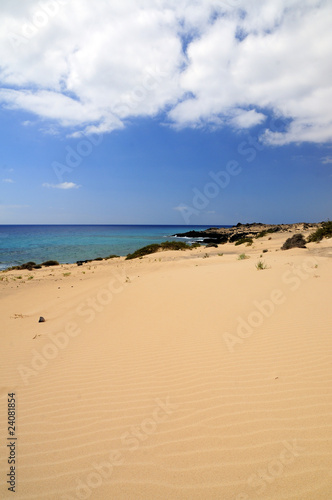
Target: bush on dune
(29, 266)
(249, 241)
(174, 245)
(322, 232)
(148, 249)
(296, 241)
(155, 247)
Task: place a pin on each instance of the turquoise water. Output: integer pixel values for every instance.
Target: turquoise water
(69, 243)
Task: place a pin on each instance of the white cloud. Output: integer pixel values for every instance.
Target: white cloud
(326, 159)
(181, 208)
(90, 66)
(247, 119)
(8, 181)
(62, 185)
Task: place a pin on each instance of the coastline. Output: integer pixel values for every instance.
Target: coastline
(184, 374)
(70, 243)
(214, 235)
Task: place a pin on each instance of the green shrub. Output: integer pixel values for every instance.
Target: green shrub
(174, 245)
(154, 247)
(28, 265)
(247, 240)
(243, 256)
(322, 232)
(195, 245)
(261, 234)
(111, 257)
(260, 265)
(236, 237)
(49, 263)
(296, 241)
(267, 231)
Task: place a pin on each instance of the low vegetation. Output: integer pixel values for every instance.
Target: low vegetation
(156, 247)
(325, 231)
(28, 266)
(49, 263)
(267, 231)
(260, 265)
(174, 245)
(243, 256)
(249, 241)
(296, 241)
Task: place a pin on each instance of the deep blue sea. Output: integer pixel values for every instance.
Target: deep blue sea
(69, 243)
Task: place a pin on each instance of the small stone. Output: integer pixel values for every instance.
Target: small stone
(41, 320)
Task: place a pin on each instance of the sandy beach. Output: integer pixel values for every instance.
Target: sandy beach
(182, 375)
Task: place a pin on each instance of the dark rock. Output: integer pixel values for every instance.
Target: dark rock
(41, 320)
(211, 245)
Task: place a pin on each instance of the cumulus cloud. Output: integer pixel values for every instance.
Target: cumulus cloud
(62, 185)
(195, 63)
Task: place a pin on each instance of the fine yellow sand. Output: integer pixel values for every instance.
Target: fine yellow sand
(182, 375)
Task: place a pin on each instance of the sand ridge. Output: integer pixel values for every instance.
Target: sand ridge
(184, 375)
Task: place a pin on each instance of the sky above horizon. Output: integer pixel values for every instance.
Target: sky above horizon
(201, 112)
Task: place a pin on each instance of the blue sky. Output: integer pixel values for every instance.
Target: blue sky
(113, 120)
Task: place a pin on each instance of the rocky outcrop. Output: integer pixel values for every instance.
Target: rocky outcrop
(235, 233)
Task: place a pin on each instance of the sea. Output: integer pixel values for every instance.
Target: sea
(69, 243)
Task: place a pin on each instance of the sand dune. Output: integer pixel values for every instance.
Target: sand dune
(175, 376)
